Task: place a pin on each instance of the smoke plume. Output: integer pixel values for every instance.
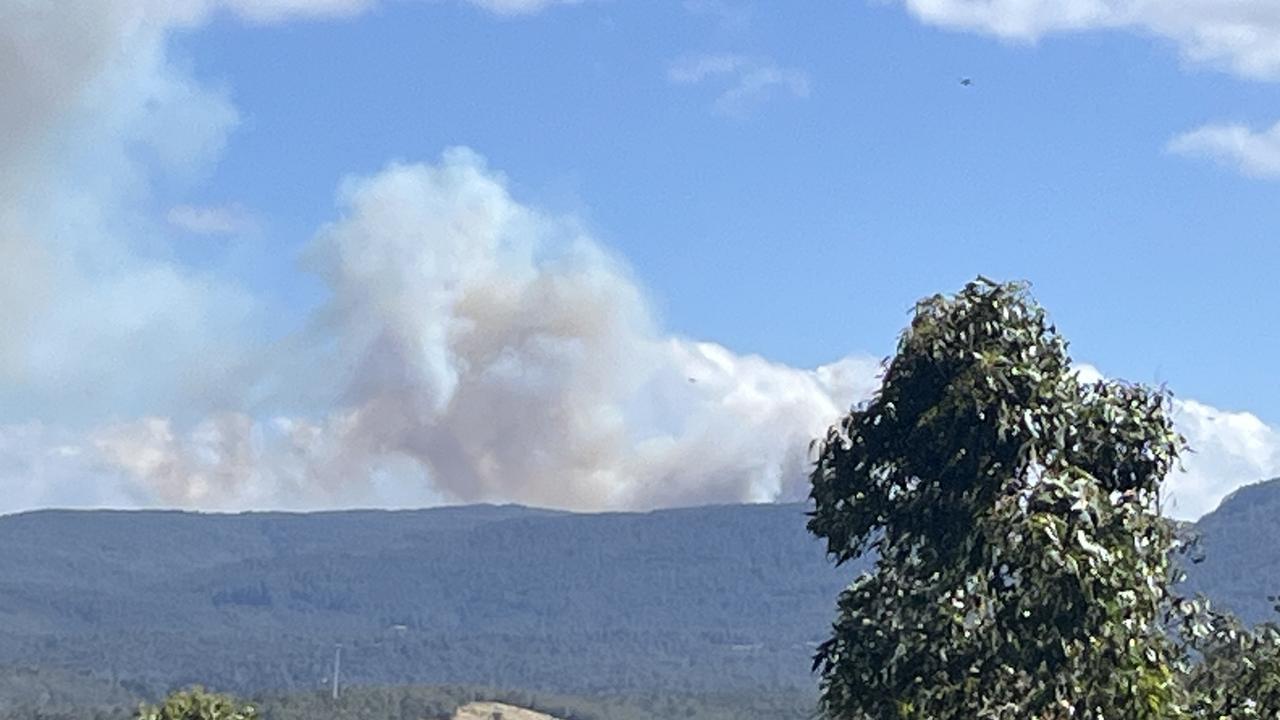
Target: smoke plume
(493, 353)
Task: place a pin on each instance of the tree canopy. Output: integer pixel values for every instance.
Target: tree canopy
(198, 704)
(1023, 567)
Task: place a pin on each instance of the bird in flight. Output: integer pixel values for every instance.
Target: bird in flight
(966, 81)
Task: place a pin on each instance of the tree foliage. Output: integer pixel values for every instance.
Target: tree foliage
(197, 704)
(1238, 676)
(1023, 566)
(442, 703)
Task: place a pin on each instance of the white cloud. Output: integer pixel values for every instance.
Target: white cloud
(1253, 153)
(212, 220)
(1242, 36)
(696, 69)
(746, 81)
(267, 11)
(1238, 36)
(1230, 449)
(275, 11)
(519, 7)
(729, 16)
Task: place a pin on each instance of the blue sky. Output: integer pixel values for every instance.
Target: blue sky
(762, 190)
(800, 228)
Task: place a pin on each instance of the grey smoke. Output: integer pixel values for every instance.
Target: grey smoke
(496, 353)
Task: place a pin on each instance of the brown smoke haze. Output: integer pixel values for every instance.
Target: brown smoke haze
(483, 351)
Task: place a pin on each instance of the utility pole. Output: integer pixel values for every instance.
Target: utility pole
(337, 667)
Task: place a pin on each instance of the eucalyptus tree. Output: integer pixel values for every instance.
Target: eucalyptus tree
(1023, 567)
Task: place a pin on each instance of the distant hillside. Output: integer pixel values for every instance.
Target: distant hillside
(708, 598)
(693, 600)
(26, 687)
(1240, 542)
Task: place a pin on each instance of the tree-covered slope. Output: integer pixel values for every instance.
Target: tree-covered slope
(702, 599)
(1240, 544)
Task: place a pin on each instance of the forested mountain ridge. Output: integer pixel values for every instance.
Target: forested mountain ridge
(688, 600)
(691, 599)
(1240, 544)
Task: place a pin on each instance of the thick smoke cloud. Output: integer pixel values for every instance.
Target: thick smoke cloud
(94, 317)
(473, 349)
(511, 356)
(498, 354)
